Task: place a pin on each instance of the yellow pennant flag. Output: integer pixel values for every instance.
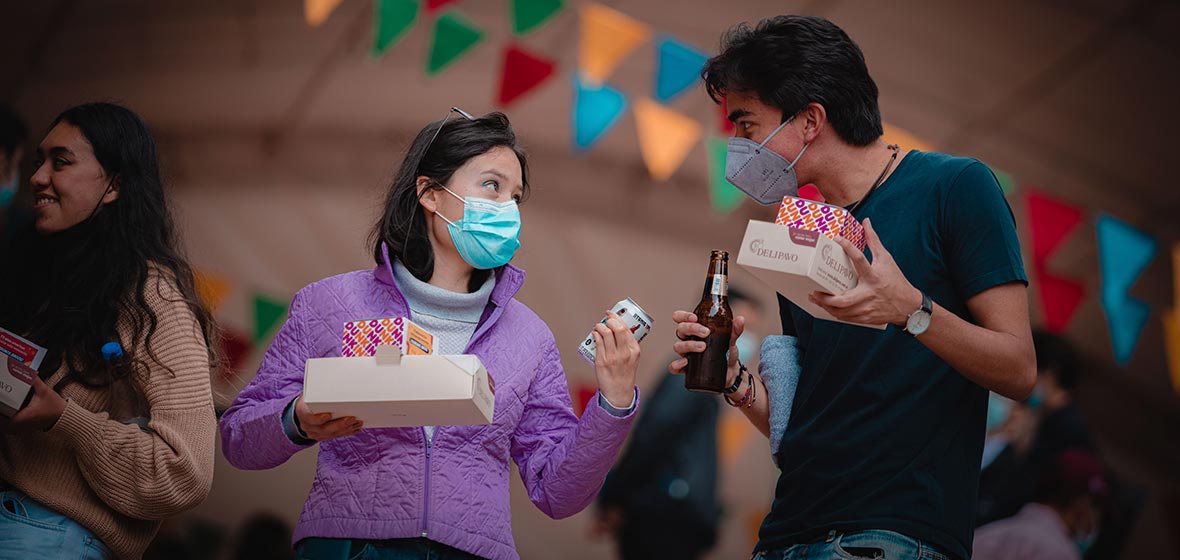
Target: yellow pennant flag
(904, 139)
(318, 11)
(1171, 320)
(734, 433)
(665, 137)
(607, 37)
(1172, 340)
(211, 289)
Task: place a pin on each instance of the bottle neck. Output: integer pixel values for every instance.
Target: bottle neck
(717, 280)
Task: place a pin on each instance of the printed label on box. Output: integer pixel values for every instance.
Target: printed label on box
(361, 338)
(21, 349)
(830, 220)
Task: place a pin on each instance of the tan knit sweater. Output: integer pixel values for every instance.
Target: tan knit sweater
(114, 478)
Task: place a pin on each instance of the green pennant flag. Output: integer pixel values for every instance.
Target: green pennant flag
(528, 15)
(1007, 183)
(391, 20)
(454, 35)
(267, 314)
(724, 196)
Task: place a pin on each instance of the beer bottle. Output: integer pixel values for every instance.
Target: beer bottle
(706, 370)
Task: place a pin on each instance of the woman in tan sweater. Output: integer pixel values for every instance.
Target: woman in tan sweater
(116, 437)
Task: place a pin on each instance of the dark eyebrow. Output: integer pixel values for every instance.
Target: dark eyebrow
(737, 114)
(56, 151)
(502, 177)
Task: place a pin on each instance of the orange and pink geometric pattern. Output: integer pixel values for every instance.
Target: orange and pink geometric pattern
(829, 220)
(361, 338)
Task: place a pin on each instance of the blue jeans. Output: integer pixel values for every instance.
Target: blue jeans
(31, 530)
(362, 549)
(860, 545)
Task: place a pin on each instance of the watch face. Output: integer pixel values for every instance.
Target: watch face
(918, 323)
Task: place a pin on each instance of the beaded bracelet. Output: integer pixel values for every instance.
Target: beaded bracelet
(745, 401)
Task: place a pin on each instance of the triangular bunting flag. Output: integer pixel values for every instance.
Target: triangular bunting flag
(316, 12)
(1050, 222)
(235, 348)
(724, 125)
(1172, 344)
(904, 139)
(1007, 183)
(678, 67)
(433, 6)
(521, 72)
(212, 289)
(1123, 253)
(724, 196)
(733, 433)
(811, 192)
(607, 38)
(582, 395)
(596, 110)
(453, 36)
(1060, 298)
(391, 20)
(665, 137)
(528, 15)
(267, 314)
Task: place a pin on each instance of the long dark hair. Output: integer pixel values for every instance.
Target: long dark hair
(403, 223)
(79, 286)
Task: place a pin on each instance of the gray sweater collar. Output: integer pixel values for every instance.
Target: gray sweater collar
(432, 300)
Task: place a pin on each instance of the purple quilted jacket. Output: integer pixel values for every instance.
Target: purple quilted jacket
(387, 483)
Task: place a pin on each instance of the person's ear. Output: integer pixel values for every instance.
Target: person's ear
(112, 192)
(427, 194)
(814, 119)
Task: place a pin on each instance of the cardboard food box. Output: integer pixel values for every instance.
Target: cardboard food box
(16, 386)
(832, 221)
(796, 262)
(389, 389)
(361, 338)
(21, 349)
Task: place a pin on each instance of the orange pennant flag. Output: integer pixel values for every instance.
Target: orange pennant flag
(904, 139)
(607, 38)
(211, 289)
(318, 11)
(665, 137)
(735, 432)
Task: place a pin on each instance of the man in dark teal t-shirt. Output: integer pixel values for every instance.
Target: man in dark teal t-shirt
(881, 456)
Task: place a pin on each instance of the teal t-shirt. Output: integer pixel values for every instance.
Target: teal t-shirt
(884, 434)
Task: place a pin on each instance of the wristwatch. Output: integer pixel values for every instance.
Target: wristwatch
(919, 321)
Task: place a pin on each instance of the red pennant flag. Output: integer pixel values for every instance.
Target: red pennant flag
(235, 349)
(724, 124)
(1050, 223)
(522, 71)
(582, 397)
(433, 6)
(810, 192)
(1060, 298)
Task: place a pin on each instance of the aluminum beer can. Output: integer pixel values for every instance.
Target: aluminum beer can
(636, 318)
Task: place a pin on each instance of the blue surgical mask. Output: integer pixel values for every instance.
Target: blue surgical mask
(8, 190)
(759, 172)
(489, 234)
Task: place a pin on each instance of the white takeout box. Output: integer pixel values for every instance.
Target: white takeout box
(391, 390)
(796, 262)
(16, 385)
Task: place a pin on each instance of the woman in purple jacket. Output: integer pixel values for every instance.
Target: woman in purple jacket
(449, 228)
